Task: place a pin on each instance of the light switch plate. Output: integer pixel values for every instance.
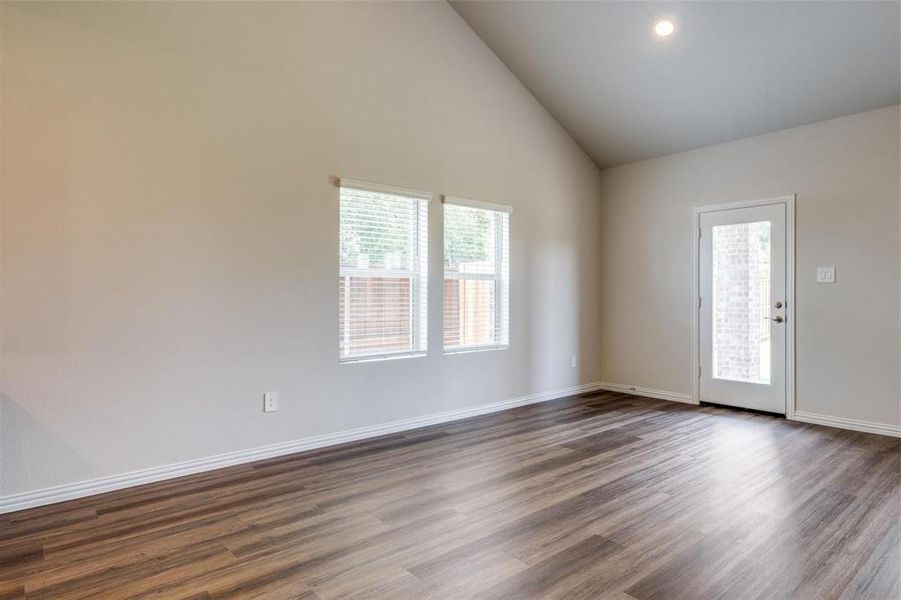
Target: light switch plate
(825, 274)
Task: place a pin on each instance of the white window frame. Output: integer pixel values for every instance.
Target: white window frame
(418, 277)
(501, 277)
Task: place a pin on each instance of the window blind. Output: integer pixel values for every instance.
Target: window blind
(382, 299)
(476, 275)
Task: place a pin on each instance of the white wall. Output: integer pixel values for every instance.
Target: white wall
(845, 173)
(170, 235)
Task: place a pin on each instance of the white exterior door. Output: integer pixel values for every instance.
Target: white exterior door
(742, 307)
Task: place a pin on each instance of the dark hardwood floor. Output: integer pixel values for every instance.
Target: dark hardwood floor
(605, 496)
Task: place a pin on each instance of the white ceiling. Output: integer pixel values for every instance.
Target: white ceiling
(731, 69)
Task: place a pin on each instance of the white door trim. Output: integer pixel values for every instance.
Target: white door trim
(696, 212)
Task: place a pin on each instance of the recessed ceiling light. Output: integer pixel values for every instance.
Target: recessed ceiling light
(664, 27)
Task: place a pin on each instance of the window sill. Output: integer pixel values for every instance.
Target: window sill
(380, 358)
(472, 350)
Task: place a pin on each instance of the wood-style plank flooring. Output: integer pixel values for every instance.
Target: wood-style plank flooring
(604, 496)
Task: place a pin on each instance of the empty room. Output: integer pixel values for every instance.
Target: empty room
(446, 300)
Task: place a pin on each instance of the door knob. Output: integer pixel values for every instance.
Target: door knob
(777, 319)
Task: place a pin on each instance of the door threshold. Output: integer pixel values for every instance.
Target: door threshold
(743, 409)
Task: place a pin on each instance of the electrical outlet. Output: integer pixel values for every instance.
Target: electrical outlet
(572, 361)
(270, 401)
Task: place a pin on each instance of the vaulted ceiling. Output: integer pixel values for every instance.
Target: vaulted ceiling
(730, 70)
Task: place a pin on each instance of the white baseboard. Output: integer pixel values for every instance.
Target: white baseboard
(805, 417)
(91, 487)
(852, 424)
(646, 392)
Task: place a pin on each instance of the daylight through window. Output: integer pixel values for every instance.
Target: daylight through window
(476, 275)
(382, 307)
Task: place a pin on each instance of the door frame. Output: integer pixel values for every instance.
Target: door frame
(696, 212)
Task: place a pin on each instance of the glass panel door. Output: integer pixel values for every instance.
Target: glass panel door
(741, 309)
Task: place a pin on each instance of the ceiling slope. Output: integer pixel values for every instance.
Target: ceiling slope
(731, 69)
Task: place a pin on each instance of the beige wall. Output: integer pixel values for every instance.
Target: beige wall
(170, 234)
(845, 173)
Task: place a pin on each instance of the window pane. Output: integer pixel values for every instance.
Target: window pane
(469, 313)
(376, 230)
(741, 301)
(374, 315)
(470, 239)
(383, 271)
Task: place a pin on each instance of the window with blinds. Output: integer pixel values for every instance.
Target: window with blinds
(383, 272)
(476, 275)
